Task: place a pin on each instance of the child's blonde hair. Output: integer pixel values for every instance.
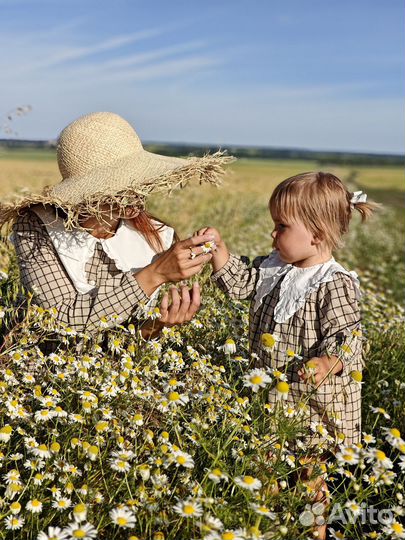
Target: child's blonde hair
(321, 201)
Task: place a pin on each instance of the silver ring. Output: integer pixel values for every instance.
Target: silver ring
(192, 254)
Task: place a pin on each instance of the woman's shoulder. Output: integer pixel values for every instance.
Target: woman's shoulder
(30, 224)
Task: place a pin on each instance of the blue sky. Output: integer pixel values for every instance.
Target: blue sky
(315, 74)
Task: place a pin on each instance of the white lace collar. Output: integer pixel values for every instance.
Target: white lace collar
(297, 284)
(127, 248)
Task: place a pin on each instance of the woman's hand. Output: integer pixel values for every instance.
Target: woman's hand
(317, 369)
(220, 255)
(175, 308)
(183, 260)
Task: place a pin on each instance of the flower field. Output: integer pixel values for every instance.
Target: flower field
(119, 438)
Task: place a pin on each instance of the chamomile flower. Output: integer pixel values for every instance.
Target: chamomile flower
(357, 377)
(41, 451)
(123, 517)
(348, 456)
(248, 482)
(5, 433)
(321, 430)
(354, 508)
(256, 379)
(263, 510)
(120, 465)
(227, 534)
(54, 533)
(282, 390)
(12, 477)
(84, 531)
(61, 503)
(269, 341)
(34, 506)
(380, 410)
(394, 529)
(393, 436)
(368, 438)
(183, 459)
(80, 512)
(175, 398)
(229, 346)
(216, 475)
(188, 508)
(15, 507)
(14, 522)
(208, 247)
(381, 459)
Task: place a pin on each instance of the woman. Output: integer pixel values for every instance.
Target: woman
(87, 246)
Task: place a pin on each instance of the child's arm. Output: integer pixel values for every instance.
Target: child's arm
(318, 368)
(233, 275)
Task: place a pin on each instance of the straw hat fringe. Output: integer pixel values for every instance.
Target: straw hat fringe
(102, 160)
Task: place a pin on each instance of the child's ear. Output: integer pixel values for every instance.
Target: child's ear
(316, 240)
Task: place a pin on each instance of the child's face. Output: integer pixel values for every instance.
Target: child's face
(294, 242)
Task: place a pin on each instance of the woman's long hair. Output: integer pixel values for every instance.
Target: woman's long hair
(144, 223)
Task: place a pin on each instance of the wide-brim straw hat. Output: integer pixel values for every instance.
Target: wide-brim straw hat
(102, 160)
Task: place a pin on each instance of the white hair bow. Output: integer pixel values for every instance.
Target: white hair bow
(358, 197)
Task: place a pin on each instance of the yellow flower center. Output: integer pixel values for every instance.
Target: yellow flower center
(188, 509)
(395, 433)
(248, 480)
(268, 340)
(356, 376)
(181, 460)
(283, 387)
(122, 521)
(174, 396)
(228, 535)
(380, 455)
(256, 379)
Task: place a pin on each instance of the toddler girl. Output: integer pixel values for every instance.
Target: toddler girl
(304, 313)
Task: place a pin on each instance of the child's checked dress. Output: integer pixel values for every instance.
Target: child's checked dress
(312, 312)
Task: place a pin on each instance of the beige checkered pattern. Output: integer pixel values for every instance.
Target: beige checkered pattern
(322, 326)
(115, 292)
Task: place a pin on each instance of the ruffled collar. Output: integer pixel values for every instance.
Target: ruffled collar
(127, 248)
(297, 284)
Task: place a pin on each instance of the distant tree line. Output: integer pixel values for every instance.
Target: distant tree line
(250, 152)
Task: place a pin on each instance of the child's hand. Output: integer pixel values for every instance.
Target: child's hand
(220, 253)
(209, 231)
(317, 369)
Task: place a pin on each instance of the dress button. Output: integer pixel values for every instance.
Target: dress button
(92, 283)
